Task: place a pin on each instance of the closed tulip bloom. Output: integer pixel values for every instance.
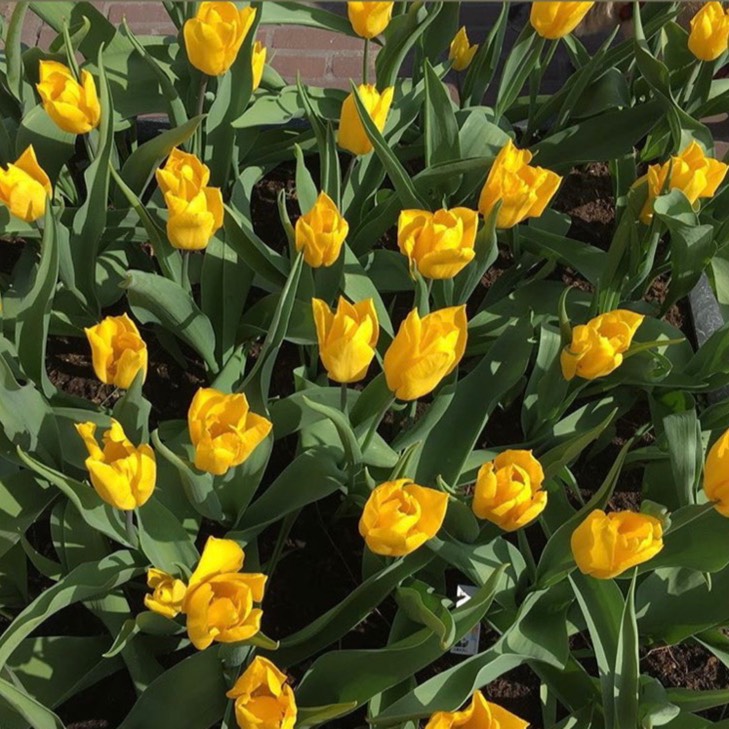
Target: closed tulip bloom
(716, 474)
(223, 430)
(509, 490)
(605, 545)
(524, 191)
(73, 106)
(214, 36)
(554, 20)
(352, 135)
(219, 598)
(118, 351)
(321, 232)
(258, 62)
(25, 187)
(438, 244)
(183, 175)
(480, 714)
(347, 338)
(263, 699)
(424, 351)
(461, 51)
(168, 593)
(597, 347)
(124, 475)
(401, 516)
(709, 34)
(369, 19)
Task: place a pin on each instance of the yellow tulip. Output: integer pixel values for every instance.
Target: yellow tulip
(183, 175)
(118, 351)
(263, 699)
(461, 51)
(168, 593)
(321, 232)
(223, 430)
(524, 191)
(216, 33)
(219, 598)
(73, 106)
(509, 490)
(25, 187)
(258, 61)
(352, 135)
(480, 714)
(597, 347)
(369, 19)
(123, 474)
(709, 34)
(716, 474)
(438, 244)
(401, 516)
(554, 20)
(605, 545)
(424, 351)
(347, 338)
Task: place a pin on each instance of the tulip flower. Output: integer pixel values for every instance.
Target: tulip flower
(118, 351)
(223, 430)
(369, 19)
(597, 347)
(438, 244)
(183, 175)
(258, 61)
(216, 33)
(605, 545)
(73, 106)
(169, 592)
(25, 187)
(709, 34)
(524, 191)
(321, 233)
(509, 490)
(554, 20)
(352, 135)
(461, 51)
(123, 474)
(480, 714)
(424, 351)
(219, 598)
(401, 516)
(263, 699)
(716, 474)
(347, 338)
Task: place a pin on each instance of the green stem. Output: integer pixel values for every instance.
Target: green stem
(186, 269)
(129, 522)
(343, 397)
(459, 87)
(366, 61)
(526, 551)
(283, 535)
(198, 111)
(375, 423)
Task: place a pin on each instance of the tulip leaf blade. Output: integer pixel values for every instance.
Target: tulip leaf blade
(344, 430)
(27, 707)
(627, 665)
(441, 128)
(421, 605)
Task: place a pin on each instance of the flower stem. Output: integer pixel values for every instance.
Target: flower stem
(366, 61)
(129, 521)
(198, 111)
(343, 397)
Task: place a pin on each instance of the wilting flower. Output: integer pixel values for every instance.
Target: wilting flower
(168, 593)
(321, 232)
(439, 244)
(605, 545)
(524, 191)
(258, 61)
(401, 516)
(263, 699)
(369, 19)
(216, 33)
(461, 51)
(347, 338)
(480, 714)
(554, 20)
(223, 430)
(123, 474)
(118, 351)
(692, 172)
(424, 351)
(716, 474)
(73, 106)
(709, 32)
(509, 490)
(352, 135)
(25, 187)
(597, 347)
(219, 598)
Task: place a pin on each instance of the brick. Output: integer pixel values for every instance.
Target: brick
(143, 17)
(46, 36)
(294, 37)
(349, 66)
(309, 66)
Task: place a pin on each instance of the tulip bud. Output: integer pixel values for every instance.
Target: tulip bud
(347, 338)
(709, 32)
(461, 51)
(352, 135)
(73, 106)
(605, 545)
(716, 474)
(369, 19)
(216, 33)
(122, 474)
(554, 20)
(424, 351)
(25, 187)
(439, 244)
(597, 347)
(118, 351)
(258, 62)
(321, 232)
(168, 594)
(401, 516)
(479, 714)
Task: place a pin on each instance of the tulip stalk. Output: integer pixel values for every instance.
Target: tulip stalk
(343, 397)
(198, 112)
(366, 60)
(129, 524)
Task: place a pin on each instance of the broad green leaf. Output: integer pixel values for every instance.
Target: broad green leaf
(441, 127)
(163, 539)
(627, 665)
(37, 715)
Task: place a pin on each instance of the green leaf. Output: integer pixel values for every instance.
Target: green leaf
(13, 57)
(37, 715)
(627, 665)
(685, 449)
(422, 606)
(306, 191)
(441, 127)
(132, 410)
(163, 539)
(53, 147)
(344, 429)
(521, 61)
